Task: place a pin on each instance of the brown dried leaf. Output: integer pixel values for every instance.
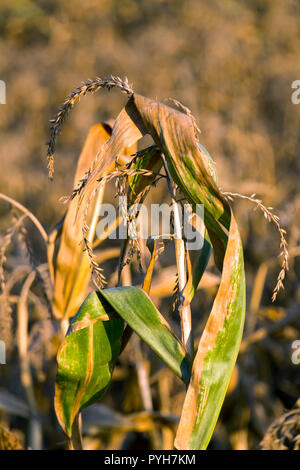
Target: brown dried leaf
(72, 271)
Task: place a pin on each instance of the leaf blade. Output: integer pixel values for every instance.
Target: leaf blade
(143, 317)
(85, 359)
(217, 352)
(72, 267)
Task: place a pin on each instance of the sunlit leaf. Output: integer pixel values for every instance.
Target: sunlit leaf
(174, 134)
(190, 165)
(72, 267)
(136, 308)
(86, 359)
(217, 352)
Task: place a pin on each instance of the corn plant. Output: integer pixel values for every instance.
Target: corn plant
(106, 318)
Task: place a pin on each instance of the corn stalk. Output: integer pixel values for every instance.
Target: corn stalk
(102, 326)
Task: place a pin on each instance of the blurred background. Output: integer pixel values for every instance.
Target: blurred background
(232, 63)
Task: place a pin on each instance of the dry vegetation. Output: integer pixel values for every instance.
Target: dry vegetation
(232, 63)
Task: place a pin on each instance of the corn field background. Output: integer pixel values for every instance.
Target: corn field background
(232, 63)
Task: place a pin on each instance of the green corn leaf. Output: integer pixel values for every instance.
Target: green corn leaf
(149, 161)
(217, 352)
(136, 308)
(86, 359)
